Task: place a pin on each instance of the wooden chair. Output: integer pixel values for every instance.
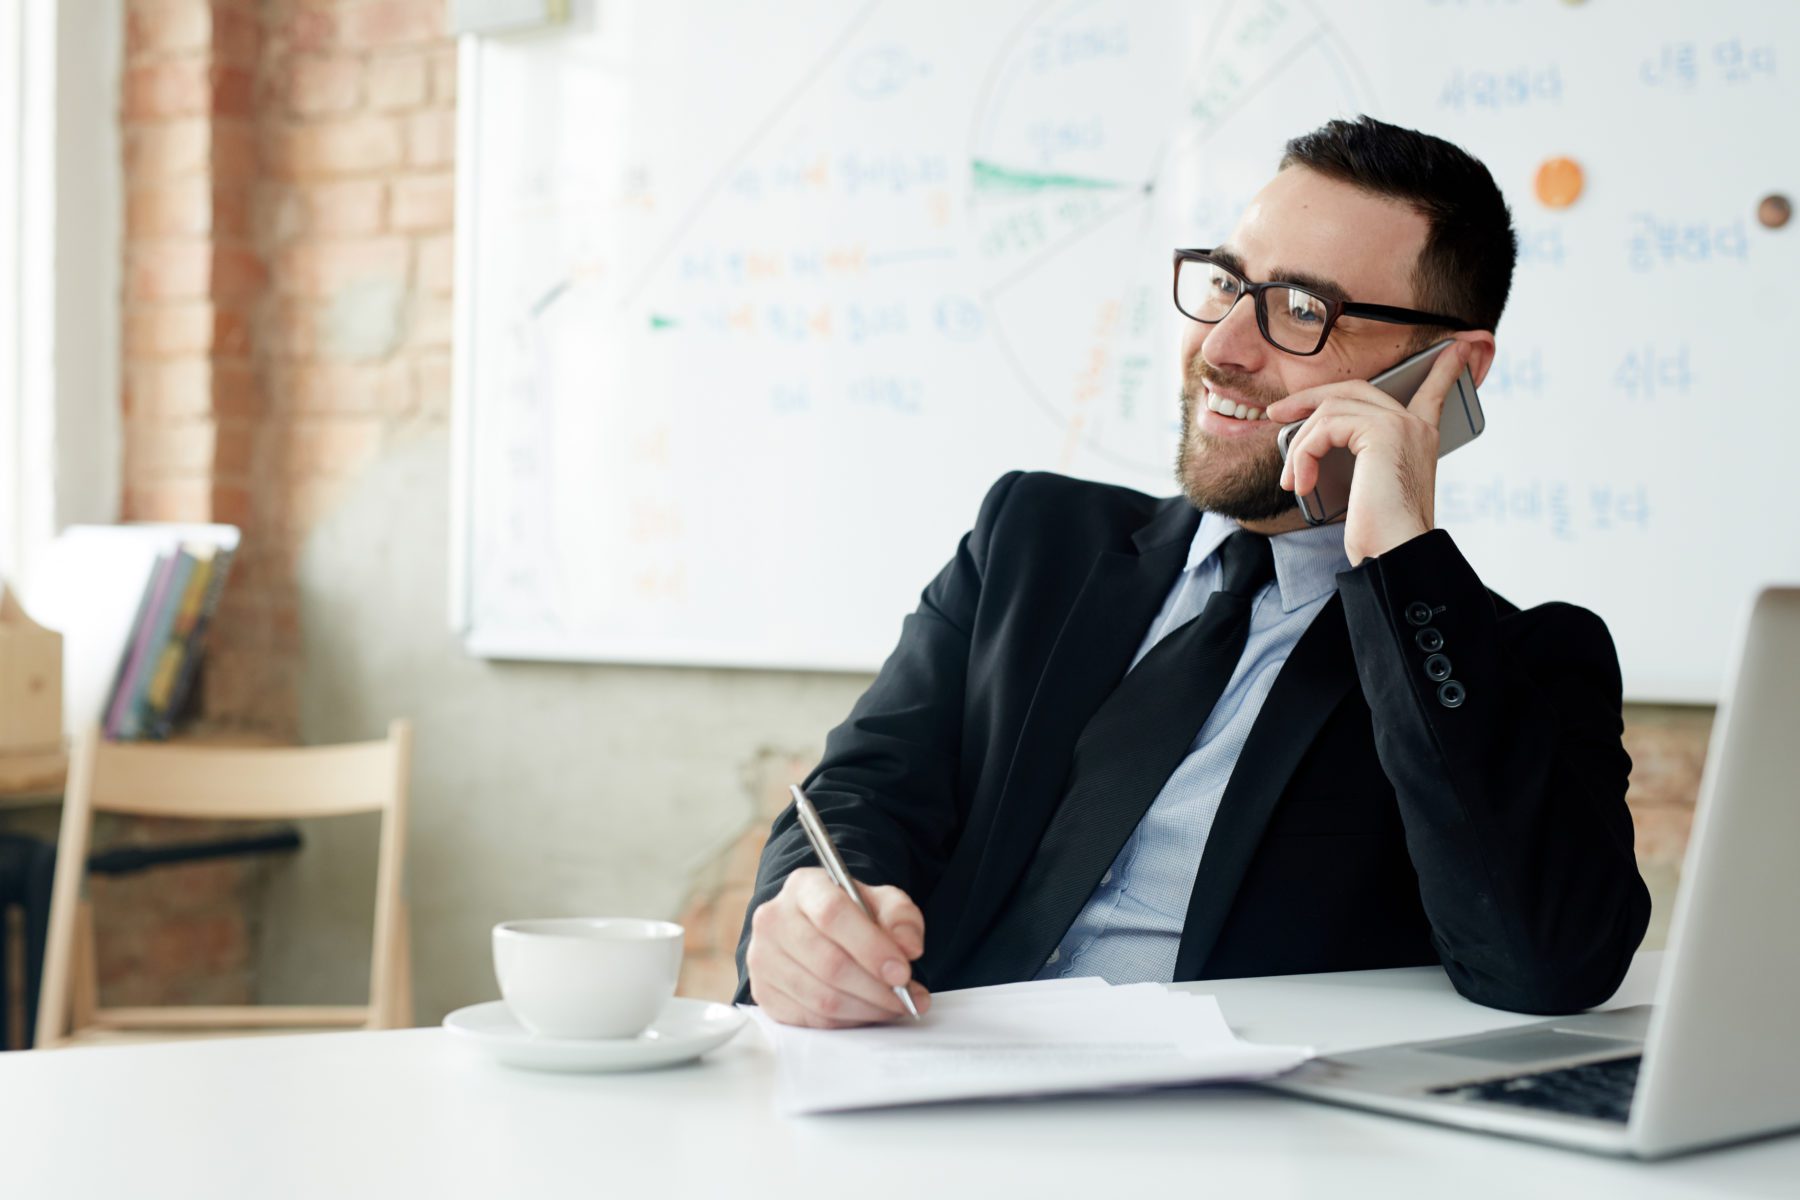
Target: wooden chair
(210, 782)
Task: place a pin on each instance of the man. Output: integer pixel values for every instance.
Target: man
(1195, 738)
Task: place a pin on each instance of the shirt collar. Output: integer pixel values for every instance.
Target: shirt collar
(1307, 561)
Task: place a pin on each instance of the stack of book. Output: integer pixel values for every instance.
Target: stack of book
(161, 656)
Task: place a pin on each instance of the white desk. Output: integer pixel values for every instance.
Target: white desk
(411, 1114)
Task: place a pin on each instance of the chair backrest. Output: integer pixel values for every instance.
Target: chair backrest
(230, 783)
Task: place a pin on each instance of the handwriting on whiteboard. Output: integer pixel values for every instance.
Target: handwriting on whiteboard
(1540, 246)
(1651, 372)
(1511, 88)
(1567, 510)
(1515, 373)
(1660, 241)
(1682, 65)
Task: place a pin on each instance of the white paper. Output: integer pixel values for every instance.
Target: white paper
(1065, 1035)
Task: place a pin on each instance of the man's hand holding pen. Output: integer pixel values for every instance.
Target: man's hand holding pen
(814, 959)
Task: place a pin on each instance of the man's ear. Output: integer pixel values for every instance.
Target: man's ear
(1479, 344)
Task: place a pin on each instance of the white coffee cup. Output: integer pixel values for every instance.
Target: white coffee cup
(587, 977)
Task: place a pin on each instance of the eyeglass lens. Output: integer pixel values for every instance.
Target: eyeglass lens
(1295, 319)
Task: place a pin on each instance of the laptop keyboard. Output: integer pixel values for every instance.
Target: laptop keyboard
(1601, 1089)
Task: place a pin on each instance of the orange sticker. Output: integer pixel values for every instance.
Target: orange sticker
(1559, 182)
(1774, 211)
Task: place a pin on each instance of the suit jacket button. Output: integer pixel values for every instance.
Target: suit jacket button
(1418, 613)
(1429, 640)
(1451, 694)
(1437, 668)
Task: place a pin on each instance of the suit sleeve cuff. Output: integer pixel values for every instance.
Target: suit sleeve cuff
(1421, 621)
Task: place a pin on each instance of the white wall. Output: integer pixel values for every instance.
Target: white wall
(90, 224)
(538, 789)
(60, 226)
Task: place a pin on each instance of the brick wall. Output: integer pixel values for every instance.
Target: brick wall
(720, 891)
(289, 204)
(288, 207)
(191, 271)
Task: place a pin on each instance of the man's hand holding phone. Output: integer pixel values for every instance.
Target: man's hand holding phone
(1392, 493)
(814, 959)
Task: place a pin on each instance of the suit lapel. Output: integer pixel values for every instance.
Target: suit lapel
(1315, 678)
(1107, 620)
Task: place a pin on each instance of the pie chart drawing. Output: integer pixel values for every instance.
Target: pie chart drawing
(1099, 145)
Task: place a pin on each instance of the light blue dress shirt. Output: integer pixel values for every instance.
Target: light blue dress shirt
(1130, 928)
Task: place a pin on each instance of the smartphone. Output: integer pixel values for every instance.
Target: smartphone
(1461, 423)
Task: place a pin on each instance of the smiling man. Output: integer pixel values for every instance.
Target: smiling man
(1196, 738)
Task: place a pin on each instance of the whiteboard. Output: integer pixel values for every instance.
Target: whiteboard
(756, 301)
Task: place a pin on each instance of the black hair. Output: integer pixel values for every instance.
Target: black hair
(1465, 268)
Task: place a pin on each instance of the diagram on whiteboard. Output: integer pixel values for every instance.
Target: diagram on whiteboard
(1067, 186)
(756, 316)
(689, 300)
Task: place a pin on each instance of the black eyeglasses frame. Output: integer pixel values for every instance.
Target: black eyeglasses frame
(1334, 308)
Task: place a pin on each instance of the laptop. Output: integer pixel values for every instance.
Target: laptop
(1716, 1058)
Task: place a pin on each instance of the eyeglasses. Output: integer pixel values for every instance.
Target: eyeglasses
(1292, 318)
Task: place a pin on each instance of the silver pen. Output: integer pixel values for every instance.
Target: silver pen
(834, 867)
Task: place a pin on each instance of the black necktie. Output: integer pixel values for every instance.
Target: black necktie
(1122, 759)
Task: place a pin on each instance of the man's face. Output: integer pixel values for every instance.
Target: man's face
(1310, 229)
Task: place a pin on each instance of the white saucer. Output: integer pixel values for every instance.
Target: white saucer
(684, 1029)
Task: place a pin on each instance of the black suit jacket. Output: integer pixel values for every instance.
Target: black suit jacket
(1368, 823)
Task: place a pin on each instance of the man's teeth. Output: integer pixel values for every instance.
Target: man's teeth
(1242, 412)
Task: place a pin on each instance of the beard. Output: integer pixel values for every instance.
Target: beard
(1238, 478)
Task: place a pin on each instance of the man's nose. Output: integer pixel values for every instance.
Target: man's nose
(1236, 342)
